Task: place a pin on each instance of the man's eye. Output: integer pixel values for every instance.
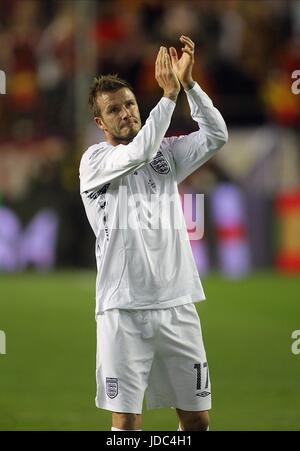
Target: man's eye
(113, 110)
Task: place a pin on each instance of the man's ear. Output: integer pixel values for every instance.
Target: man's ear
(100, 123)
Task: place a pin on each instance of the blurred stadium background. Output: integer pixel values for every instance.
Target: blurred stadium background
(249, 258)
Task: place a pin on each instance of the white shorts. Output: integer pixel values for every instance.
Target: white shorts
(156, 353)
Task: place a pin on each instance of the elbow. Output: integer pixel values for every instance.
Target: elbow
(146, 156)
(216, 142)
(141, 160)
(148, 159)
(222, 138)
(139, 154)
(223, 135)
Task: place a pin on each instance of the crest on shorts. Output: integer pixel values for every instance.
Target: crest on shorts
(160, 164)
(112, 387)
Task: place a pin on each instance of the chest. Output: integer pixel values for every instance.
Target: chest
(157, 177)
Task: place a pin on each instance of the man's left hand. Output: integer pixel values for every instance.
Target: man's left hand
(183, 67)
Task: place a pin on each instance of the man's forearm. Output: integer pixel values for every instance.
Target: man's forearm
(209, 119)
(146, 143)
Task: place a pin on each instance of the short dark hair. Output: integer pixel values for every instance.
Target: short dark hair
(105, 83)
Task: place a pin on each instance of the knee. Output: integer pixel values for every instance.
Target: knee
(197, 422)
(129, 421)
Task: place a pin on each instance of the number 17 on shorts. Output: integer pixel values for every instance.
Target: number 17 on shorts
(202, 382)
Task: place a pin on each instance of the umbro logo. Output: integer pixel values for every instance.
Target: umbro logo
(203, 394)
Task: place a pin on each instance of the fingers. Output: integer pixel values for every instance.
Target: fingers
(158, 63)
(189, 45)
(164, 72)
(167, 61)
(164, 58)
(188, 51)
(187, 41)
(163, 62)
(173, 54)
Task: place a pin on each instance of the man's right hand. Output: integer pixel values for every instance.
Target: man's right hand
(165, 75)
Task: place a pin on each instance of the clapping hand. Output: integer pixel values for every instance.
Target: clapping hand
(183, 66)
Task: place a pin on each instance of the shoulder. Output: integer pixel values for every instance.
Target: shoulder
(92, 153)
(168, 143)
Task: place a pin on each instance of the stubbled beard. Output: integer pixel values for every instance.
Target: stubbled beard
(126, 139)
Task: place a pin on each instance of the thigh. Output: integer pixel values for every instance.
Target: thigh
(124, 358)
(179, 375)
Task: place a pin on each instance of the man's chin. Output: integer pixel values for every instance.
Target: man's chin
(126, 138)
(130, 134)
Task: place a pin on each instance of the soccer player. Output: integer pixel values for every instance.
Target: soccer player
(149, 339)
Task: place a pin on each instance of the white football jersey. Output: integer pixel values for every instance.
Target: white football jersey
(130, 194)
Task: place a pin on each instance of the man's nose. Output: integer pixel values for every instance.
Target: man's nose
(125, 112)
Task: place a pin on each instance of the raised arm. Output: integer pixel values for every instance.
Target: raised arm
(112, 161)
(193, 150)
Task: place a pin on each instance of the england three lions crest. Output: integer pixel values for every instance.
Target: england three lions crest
(112, 388)
(160, 164)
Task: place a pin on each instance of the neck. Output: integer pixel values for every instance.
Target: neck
(115, 141)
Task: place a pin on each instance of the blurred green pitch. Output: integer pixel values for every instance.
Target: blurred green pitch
(47, 376)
